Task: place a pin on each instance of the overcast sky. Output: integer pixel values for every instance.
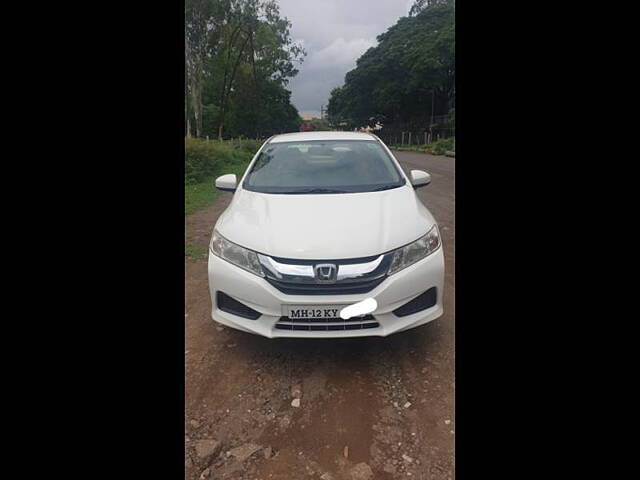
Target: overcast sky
(334, 33)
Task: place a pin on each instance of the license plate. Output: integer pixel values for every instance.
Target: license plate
(312, 311)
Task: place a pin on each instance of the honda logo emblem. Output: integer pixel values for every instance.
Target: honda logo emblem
(325, 272)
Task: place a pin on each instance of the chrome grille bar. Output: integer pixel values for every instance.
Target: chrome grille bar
(302, 271)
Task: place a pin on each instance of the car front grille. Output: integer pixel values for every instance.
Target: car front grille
(291, 288)
(325, 324)
(344, 276)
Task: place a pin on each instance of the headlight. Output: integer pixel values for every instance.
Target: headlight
(405, 256)
(235, 254)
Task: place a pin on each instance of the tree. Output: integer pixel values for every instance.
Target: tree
(261, 39)
(406, 79)
(203, 19)
(236, 51)
(338, 110)
(420, 5)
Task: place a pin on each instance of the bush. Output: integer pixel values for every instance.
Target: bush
(439, 147)
(205, 159)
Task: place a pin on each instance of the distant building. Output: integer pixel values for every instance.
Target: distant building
(309, 115)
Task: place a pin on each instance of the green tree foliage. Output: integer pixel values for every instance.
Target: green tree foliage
(404, 80)
(420, 5)
(239, 59)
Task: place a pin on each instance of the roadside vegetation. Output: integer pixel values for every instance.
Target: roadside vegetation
(210, 158)
(207, 159)
(445, 146)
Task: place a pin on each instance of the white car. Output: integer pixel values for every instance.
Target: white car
(321, 221)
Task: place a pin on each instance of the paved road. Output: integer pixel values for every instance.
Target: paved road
(384, 404)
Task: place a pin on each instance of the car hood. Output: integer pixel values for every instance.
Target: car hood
(325, 226)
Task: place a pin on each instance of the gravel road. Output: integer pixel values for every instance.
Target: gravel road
(369, 408)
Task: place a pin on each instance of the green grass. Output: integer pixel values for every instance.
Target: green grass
(203, 193)
(194, 252)
(199, 195)
(205, 160)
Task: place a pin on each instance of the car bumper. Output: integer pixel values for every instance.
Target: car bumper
(395, 291)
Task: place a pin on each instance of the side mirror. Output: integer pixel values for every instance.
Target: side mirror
(420, 178)
(227, 183)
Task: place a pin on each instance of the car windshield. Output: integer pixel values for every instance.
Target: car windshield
(323, 166)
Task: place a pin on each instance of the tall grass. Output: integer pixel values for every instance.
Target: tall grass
(207, 159)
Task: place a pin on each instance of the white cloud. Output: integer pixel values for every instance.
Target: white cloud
(341, 52)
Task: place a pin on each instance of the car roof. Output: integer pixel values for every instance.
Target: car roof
(309, 136)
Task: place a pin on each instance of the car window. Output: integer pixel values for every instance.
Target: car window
(338, 166)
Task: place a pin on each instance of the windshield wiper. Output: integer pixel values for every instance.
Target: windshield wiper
(384, 187)
(317, 190)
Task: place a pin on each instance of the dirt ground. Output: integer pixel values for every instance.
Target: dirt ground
(370, 408)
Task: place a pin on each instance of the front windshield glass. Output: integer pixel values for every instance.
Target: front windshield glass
(323, 166)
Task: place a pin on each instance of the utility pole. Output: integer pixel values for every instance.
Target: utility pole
(321, 112)
(433, 92)
(432, 112)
